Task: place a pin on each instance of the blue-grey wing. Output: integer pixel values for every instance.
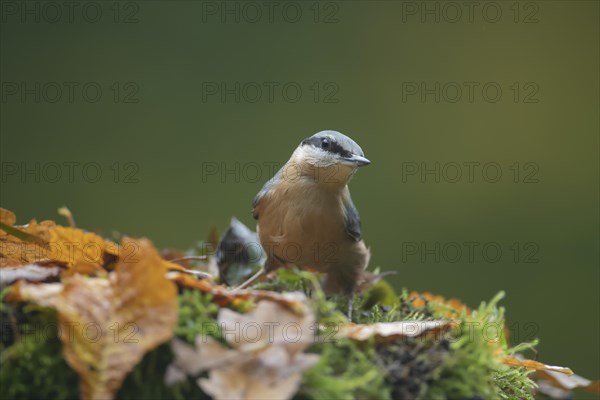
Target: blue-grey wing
(262, 192)
(353, 227)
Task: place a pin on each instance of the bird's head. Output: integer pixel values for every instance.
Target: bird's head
(328, 148)
(331, 154)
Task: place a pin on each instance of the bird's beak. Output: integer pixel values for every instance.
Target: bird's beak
(358, 160)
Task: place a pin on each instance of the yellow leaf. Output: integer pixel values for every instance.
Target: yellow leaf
(107, 325)
(7, 217)
(26, 244)
(47, 243)
(82, 251)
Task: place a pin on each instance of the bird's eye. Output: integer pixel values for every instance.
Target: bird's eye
(325, 144)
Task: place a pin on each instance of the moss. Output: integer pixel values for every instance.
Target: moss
(33, 365)
(345, 371)
(411, 365)
(197, 316)
(146, 381)
(514, 383)
(288, 280)
(472, 369)
(462, 363)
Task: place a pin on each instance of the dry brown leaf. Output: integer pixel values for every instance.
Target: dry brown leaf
(23, 244)
(84, 252)
(107, 325)
(557, 385)
(48, 243)
(238, 382)
(37, 229)
(265, 360)
(46, 295)
(7, 217)
(41, 272)
(393, 330)
(14, 254)
(534, 365)
(555, 382)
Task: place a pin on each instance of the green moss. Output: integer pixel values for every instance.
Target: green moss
(146, 381)
(289, 280)
(472, 369)
(462, 363)
(345, 371)
(33, 365)
(197, 316)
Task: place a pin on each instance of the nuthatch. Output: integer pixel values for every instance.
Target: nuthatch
(306, 216)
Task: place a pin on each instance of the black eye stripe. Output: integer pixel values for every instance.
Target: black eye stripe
(334, 147)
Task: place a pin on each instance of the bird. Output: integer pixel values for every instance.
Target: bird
(306, 217)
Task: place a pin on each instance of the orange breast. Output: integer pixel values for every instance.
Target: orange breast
(301, 225)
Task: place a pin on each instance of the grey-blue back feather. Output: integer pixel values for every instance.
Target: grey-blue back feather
(353, 226)
(265, 189)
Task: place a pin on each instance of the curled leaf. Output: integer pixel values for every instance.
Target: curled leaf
(41, 272)
(107, 325)
(393, 330)
(83, 252)
(265, 359)
(557, 385)
(534, 365)
(46, 243)
(7, 217)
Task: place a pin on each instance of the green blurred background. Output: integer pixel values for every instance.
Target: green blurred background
(170, 119)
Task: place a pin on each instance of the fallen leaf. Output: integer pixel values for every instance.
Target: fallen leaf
(47, 243)
(534, 365)
(16, 254)
(555, 382)
(46, 295)
(84, 252)
(20, 245)
(107, 325)
(265, 360)
(557, 385)
(393, 330)
(42, 272)
(7, 217)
